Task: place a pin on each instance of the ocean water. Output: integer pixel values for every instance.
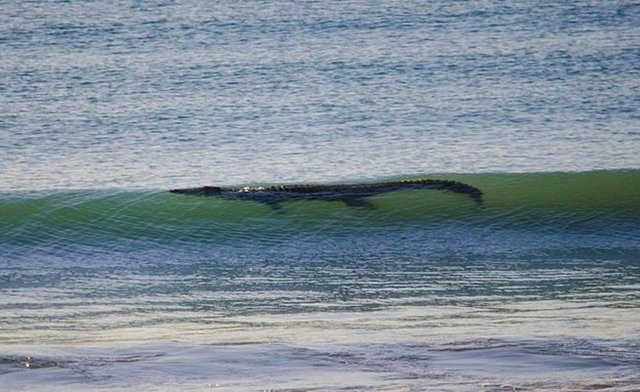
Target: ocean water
(110, 283)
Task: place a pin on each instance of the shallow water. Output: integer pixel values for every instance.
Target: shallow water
(427, 291)
(108, 282)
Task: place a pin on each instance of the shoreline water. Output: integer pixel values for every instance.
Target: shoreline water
(537, 289)
(108, 282)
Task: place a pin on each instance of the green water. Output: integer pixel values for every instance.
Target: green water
(597, 200)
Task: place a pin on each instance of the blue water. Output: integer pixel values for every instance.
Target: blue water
(108, 282)
(165, 94)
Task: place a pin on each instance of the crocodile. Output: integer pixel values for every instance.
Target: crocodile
(350, 194)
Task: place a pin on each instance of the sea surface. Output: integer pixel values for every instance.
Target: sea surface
(108, 282)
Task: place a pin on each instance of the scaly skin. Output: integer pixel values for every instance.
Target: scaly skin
(351, 194)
